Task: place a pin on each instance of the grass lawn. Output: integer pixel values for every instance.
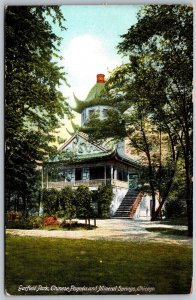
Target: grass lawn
(61, 265)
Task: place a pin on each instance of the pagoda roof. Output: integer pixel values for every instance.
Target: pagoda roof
(85, 158)
(93, 98)
(99, 153)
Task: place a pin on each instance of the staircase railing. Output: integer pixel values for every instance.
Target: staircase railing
(135, 204)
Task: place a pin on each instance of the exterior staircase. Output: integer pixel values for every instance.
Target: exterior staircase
(128, 205)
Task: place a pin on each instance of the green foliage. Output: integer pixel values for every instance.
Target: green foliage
(83, 200)
(155, 86)
(19, 224)
(33, 103)
(159, 75)
(67, 203)
(13, 215)
(174, 208)
(102, 129)
(104, 198)
(36, 221)
(50, 201)
(23, 223)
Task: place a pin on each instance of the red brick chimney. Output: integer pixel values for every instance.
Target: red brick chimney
(100, 78)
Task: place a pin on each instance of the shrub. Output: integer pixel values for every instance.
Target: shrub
(13, 215)
(25, 223)
(19, 224)
(67, 203)
(36, 221)
(104, 198)
(50, 200)
(52, 220)
(174, 208)
(83, 198)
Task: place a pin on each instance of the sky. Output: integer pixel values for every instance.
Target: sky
(89, 44)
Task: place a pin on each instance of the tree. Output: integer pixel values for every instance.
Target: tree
(104, 199)
(175, 204)
(162, 42)
(156, 86)
(67, 203)
(50, 201)
(83, 202)
(33, 103)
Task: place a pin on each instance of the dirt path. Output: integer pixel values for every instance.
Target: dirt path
(114, 229)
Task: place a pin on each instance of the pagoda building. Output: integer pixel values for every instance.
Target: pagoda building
(81, 162)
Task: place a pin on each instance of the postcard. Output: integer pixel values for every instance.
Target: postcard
(98, 150)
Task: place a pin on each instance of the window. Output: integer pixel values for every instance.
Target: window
(105, 113)
(91, 111)
(85, 174)
(97, 173)
(78, 174)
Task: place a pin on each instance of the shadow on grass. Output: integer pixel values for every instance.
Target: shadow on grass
(168, 231)
(177, 221)
(67, 227)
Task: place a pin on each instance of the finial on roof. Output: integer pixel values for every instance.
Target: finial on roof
(100, 78)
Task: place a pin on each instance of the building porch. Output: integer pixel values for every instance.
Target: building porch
(91, 175)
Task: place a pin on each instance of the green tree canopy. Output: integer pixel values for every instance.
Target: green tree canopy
(160, 48)
(156, 85)
(33, 103)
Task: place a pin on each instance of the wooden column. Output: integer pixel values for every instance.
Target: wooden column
(105, 174)
(128, 176)
(115, 174)
(111, 172)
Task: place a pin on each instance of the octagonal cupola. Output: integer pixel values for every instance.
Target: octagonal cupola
(95, 102)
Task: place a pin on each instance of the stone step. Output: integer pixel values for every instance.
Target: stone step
(124, 209)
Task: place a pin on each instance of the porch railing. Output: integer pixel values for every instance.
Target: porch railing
(89, 183)
(120, 183)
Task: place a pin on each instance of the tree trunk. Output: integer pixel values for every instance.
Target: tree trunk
(164, 198)
(150, 170)
(153, 202)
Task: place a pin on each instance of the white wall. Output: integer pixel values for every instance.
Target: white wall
(119, 194)
(143, 210)
(97, 108)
